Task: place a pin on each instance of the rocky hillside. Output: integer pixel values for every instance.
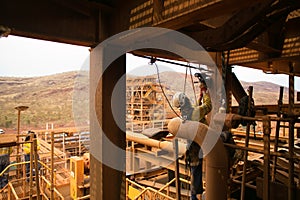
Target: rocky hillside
(51, 98)
(264, 92)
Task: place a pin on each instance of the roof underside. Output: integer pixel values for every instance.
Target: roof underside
(261, 34)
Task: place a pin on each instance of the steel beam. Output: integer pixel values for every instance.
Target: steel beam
(244, 26)
(73, 22)
(106, 181)
(243, 187)
(208, 10)
(291, 184)
(166, 161)
(266, 138)
(108, 141)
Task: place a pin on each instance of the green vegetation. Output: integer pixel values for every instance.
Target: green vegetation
(51, 98)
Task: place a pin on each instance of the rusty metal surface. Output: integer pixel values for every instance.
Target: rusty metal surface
(216, 24)
(268, 46)
(8, 140)
(278, 191)
(217, 173)
(74, 22)
(249, 29)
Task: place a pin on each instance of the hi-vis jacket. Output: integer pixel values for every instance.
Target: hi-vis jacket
(27, 147)
(194, 152)
(201, 111)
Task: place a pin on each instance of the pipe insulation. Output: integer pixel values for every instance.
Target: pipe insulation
(163, 145)
(216, 154)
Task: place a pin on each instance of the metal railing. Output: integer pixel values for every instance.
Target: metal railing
(146, 192)
(44, 183)
(150, 193)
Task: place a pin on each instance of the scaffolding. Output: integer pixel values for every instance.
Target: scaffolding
(41, 181)
(146, 105)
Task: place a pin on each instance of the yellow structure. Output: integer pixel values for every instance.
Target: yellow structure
(76, 177)
(133, 192)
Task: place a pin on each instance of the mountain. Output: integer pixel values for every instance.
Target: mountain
(49, 99)
(263, 92)
(266, 92)
(60, 98)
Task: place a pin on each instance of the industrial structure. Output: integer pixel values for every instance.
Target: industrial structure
(146, 104)
(260, 34)
(55, 152)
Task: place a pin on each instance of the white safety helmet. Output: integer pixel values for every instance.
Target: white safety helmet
(178, 99)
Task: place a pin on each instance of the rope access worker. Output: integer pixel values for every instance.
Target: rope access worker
(4, 162)
(194, 154)
(27, 150)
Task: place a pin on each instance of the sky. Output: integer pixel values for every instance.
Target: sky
(254, 75)
(25, 57)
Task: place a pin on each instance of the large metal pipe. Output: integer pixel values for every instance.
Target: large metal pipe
(216, 157)
(164, 145)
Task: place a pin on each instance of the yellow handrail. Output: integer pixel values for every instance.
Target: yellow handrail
(134, 183)
(26, 162)
(21, 163)
(167, 185)
(173, 180)
(55, 190)
(11, 165)
(11, 188)
(185, 181)
(44, 165)
(156, 192)
(84, 197)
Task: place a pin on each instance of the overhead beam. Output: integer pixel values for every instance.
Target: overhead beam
(76, 5)
(206, 11)
(274, 65)
(72, 22)
(158, 6)
(273, 39)
(262, 47)
(263, 17)
(238, 24)
(293, 27)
